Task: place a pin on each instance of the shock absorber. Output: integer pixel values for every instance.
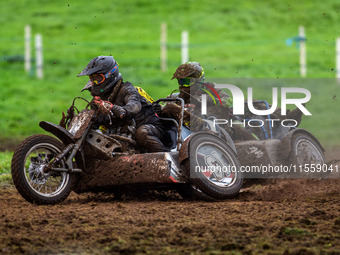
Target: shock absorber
(62, 154)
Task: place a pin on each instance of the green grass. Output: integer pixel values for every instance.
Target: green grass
(232, 39)
(5, 167)
(294, 231)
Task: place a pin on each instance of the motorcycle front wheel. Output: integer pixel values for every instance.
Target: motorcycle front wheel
(28, 162)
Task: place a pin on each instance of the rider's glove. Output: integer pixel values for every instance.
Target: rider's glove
(157, 108)
(104, 107)
(118, 111)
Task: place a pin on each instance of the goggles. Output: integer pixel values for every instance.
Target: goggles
(99, 78)
(185, 82)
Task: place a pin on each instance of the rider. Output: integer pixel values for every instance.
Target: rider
(120, 100)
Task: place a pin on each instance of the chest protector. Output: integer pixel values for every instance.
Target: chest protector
(145, 95)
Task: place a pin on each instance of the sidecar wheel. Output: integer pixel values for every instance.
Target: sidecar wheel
(306, 150)
(32, 183)
(213, 167)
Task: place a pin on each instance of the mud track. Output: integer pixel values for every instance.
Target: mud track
(273, 216)
(294, 216)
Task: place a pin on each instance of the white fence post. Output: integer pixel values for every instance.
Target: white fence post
(163, 46)
(27, 48)
(185, 46)
(39, 55)
(302, 41)
(337, 49)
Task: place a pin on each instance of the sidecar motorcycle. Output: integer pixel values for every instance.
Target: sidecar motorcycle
(86, 158)
(266, 142)
(278, 145)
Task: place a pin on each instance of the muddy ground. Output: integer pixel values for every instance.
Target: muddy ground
(295, 216)
(288, 216)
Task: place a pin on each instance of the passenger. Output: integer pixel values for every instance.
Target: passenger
(192, 73)
(192, 85)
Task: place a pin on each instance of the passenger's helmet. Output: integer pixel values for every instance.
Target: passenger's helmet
(189, 73)
(103, 73)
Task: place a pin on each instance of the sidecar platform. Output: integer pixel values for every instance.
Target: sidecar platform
(280, 158)
(160, 167)
(264, 152)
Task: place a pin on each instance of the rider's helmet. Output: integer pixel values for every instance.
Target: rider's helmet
(189, 73)
(103, 73)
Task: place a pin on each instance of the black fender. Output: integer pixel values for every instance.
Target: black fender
(286, 142)
(65, 137)
(60, 132)
(184, 150)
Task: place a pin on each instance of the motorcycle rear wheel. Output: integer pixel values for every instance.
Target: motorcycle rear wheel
(210, 152)
(28, 161)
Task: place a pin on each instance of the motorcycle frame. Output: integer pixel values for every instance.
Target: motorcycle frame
(73, 146)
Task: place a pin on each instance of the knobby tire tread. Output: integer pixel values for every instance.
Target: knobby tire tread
(19, 179)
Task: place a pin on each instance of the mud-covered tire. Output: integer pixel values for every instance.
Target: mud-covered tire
(306, 150)
(27, 177)
(190, 192)
(207, 150)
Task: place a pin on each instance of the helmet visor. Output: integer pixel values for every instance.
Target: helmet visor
(97, 78)
(184, 82)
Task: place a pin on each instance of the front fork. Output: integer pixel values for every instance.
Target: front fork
(73, 148)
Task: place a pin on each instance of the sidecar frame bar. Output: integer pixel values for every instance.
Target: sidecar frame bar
(180, 121)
